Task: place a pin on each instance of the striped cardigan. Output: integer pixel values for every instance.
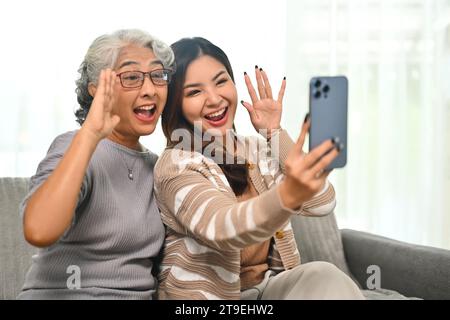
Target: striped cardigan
(207, 227)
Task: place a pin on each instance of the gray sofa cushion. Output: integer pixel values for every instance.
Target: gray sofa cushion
(15, 253)
(385, 294)
(319, 239)
(413, 270)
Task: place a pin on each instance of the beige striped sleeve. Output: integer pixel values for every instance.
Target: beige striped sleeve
(282, 143)
(195, 199)
(324, 202)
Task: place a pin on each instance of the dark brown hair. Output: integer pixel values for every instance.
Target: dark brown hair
(186, 51)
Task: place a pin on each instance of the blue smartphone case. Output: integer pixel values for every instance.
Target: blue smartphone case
(328, 99)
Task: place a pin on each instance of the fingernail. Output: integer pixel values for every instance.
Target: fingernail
(242, 102)
(306, 118)
(256, 67)
(284, 78)
(245, 73)
(260, 69)
(339, 146)
(335, 140)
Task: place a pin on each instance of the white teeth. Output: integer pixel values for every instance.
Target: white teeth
(218, 113)
(146, 107)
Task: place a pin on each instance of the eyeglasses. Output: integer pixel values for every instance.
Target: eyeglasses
(135, 79)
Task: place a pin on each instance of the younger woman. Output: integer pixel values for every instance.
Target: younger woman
(228, 230)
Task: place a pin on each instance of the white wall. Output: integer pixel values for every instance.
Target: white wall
(44, 42)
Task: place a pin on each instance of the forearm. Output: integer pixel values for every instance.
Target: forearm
(49, 211)
(280, 145)
(321, 204)
(196, 201)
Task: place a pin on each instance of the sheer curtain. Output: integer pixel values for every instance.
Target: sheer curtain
(396, 55)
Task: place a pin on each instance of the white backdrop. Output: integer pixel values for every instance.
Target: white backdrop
(396, 54)
(44, 42)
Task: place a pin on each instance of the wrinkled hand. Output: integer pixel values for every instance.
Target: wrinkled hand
(100, 120)
(306, 173)
(265, 112)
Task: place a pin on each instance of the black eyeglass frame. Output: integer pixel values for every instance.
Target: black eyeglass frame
(141, 83)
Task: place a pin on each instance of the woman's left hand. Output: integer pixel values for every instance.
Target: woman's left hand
(265, 112)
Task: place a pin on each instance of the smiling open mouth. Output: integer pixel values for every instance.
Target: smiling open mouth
(145, 111)
(217, 116)
(146, 114)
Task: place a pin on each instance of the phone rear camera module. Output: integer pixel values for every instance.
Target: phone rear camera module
(317, 94)
(326, 88)
(318, 83)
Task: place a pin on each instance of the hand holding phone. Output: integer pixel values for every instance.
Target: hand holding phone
(328, 98)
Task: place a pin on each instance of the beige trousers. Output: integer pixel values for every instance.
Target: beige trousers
(315, 281)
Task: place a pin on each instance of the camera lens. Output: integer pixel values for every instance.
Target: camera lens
(326, 88)
(318, 83)
(317, 94)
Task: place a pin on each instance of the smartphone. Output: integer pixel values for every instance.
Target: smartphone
(328, 98)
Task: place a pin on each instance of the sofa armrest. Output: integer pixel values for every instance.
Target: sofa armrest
(412, 270)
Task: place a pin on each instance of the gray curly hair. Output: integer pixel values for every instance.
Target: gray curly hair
(103, 53)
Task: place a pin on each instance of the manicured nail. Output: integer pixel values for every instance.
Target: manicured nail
(284, 78)
(306, 118)
(260, 69)
(242, 102)
(339, 147)
(245, 73)
(256, 67)
(335, 140)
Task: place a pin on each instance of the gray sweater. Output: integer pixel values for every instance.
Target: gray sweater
(109, 250)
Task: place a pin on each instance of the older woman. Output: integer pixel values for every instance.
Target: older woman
(91, 207)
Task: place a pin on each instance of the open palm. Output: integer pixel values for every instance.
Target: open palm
(265, 112)
(101, 120)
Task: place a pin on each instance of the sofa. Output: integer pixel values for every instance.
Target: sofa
(404, 270)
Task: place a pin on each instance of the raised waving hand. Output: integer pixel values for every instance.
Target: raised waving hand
(265, 111)
(100, 120)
